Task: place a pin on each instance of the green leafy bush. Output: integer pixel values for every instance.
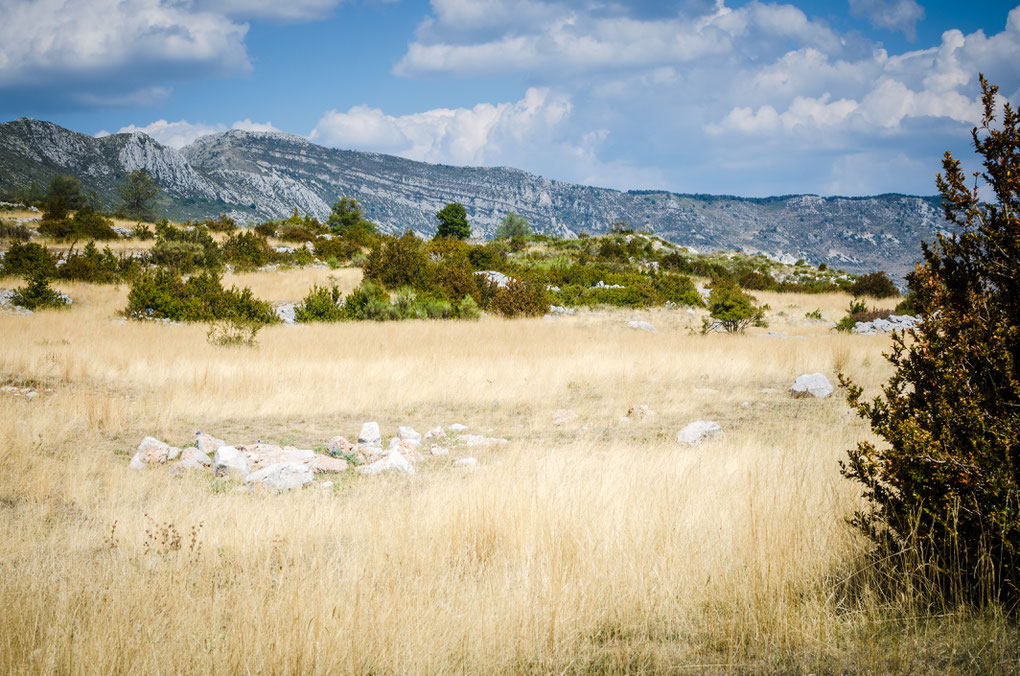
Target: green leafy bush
(322, 304)
(37, 294)
(223, 223)
(164, 294)
(520, 299)
(943, 490)
(731, 309)
(26, 259)
(400, 261)
(875, 284)
(15, 231)
(247, 251)
(753, 280)
(183, 250)
(92, 265)
(85, 224)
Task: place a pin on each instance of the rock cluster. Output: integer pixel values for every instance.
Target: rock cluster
(892, 323)
(265, 467)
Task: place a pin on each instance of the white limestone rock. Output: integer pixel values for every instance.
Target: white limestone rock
(231, 462)
(279, 477)
(696, 432)
(811, 385)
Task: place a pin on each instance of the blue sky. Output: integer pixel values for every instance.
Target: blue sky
(753, 98)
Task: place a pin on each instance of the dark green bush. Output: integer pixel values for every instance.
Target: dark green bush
(37, 294)
(339, 248)
(267, 229)
(26, 259)
(222, 224)
(677, 289)
(164, 294)
(15, 231)
(92, 265)
(322, 304)
(753, 280)
(85, 224)
(400, 261)
(247, 251)
(731, 309)
(875, 284)
(183, 249)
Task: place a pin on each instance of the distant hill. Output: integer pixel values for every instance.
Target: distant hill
(262, 175)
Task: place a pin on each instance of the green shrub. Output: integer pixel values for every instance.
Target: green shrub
(876, 285)
(339, 248)
(520, 299)
(467, 308)
(26, 259)
(753, 280)
(37, 294)
(183, 250)
(163, 294)
(267, 229)
(677, 289)
(85, 224)
(222, 224)
(400, 261)
(943, 490)
(92, 265)
(15, 231)
(247, 251)
(731, 309)
(143, 232)
(322, 304)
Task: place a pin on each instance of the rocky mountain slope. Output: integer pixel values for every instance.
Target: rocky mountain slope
(262, 175)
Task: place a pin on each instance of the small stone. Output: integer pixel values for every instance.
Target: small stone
(439, 450)
(207, 443)
(811, 385)
(696, 432)
(465, 462)
(456, 427)
(478, 440)
(392, 463)
(282, 476)
(325, 463)
(152, 451)
(370, 435)
(435, 433)
(230, 462)
(325, 485)
(192, 458)
(408, 434)
(641, 326)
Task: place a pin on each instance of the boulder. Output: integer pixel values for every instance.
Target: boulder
(230, 462)
(370, 435)
(408, 434)
(696, 432)
(281, 476)
(152, 451)
(264, 455)
(325, 463)
(563, 416)
(207, 443)
(192, 458)
(392, 463)
(811, 385)
(641, 326)
(435, 433)
(456, 428)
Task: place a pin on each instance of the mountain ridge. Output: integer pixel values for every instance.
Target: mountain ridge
(259, 175)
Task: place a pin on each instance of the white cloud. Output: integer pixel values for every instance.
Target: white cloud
(181, 133)
(289, 10)
(551, 36)
(895, 15)
(478, 135)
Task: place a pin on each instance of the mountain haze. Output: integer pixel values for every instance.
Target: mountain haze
(256, 176)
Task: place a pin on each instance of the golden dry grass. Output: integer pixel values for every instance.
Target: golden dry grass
(600, 547)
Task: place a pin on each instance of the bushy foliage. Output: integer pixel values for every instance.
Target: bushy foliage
(24, 259)
(184, 250)
(339, 248)
(754, 280)
(64, 195)
(513, 226)
(138, 195)
(322, 304)
(453, 222)
(944, 484)
(15, 231)
(875, 284)
(349, 223)
(37, 294)
(222, 223)
(400, 261)
(164, 294)
(730, 309)
(85, 224)
(520, 299)
(247, 251)
(92, 265)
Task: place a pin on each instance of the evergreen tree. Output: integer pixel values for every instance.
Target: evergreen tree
(453, 222)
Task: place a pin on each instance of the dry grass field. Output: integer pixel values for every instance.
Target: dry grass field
(597, 547)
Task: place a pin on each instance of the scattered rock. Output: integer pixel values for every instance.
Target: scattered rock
(456, 428)
(207, 443)
(641, 326)
(696, 432)
(465, 462)
(640, 411)
(892, 323)
(192, 458)
(811, 385)
(497, 278)
(438, 450)
(340, 446)
(435, 433)
(263, 455)
(325, 463)
(287, 313)
(231, 462)
(281, 476)
(408, 434)
(478, 440)
(370, 435)
(152, 451)
(326, 485)
(563, 416)
(392, 463)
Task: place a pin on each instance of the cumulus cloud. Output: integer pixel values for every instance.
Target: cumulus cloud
(181, 133)
(478, 135)
(290, 10)
(556, 35)
(895, 15)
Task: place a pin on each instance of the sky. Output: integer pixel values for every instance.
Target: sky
(848, 97)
